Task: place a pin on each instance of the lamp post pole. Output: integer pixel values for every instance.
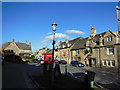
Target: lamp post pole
(53, 43)
(118, 49)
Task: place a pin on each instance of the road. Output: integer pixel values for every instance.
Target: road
(105, 79)
(15, 75)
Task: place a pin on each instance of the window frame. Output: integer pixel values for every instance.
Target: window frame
(110, 50)
(109, 38)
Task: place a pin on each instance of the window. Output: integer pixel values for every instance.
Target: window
(113, 62)
(104, 63)
(109, 63)
(26, 50)
(77, 52)
(89, 50)
(97, 42)
(109, 38)
(68, 52)
(26, 54)
(64, 54)
(63, 46)
(103, 41)
(110, 51)
(68, 45)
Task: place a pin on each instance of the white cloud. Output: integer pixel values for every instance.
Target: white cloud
(49, 33)
(75, 31)
(48, 39)
(58, 35)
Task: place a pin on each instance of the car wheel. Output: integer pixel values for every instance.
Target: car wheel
(76, 65)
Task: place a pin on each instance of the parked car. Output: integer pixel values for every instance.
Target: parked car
(41, 61)
(56, 61)
(35, 60)
(62, 62)
(77, 64)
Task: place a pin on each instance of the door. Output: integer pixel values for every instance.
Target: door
(90, 62)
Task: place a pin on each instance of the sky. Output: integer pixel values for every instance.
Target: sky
(32, 21)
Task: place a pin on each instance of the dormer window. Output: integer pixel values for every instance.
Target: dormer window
(68, 45)
(77, 52)
(109, 38)
(63, 46)
(88, 50)
(26, 50)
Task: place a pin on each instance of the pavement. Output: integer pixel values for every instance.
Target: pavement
(69, 79)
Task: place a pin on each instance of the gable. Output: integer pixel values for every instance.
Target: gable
(12, 46)
(109, 33)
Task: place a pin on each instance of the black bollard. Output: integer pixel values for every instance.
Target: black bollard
(86, 81)
(57, 71)
(65, 69)
(45, 67)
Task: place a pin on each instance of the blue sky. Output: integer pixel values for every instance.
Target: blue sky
(32, 20)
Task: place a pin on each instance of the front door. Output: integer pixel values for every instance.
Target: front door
(94, 62)
(90, 62)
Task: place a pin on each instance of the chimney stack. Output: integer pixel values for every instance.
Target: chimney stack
(13, 40)
(60, 42)
(29, 43)
(93, 31)
(26, 41)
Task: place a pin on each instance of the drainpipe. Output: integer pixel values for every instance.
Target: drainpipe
(118, 52)
(100, 57)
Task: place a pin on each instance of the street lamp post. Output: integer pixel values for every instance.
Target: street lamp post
(118, 15)
(52, 67)
(118, 49)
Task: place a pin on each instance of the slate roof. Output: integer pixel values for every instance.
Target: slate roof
(74, 40)
(5, 45)
(80, 44)
(117, 33)
(23, 46)
(97, 36)
(20, 45)
(49, 51)
(71, 42)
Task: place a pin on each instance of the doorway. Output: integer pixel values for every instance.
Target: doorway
(90, 62)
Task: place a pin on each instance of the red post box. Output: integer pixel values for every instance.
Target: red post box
(48, 57)
(47, 63)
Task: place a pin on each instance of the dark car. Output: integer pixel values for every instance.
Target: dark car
(77, 64)
(41, 61)
(62, 62)
(35, 60)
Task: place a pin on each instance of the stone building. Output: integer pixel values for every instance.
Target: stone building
(17, 48)
(98, 50)
(62, 51)
(40, 53)
(78, 50)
